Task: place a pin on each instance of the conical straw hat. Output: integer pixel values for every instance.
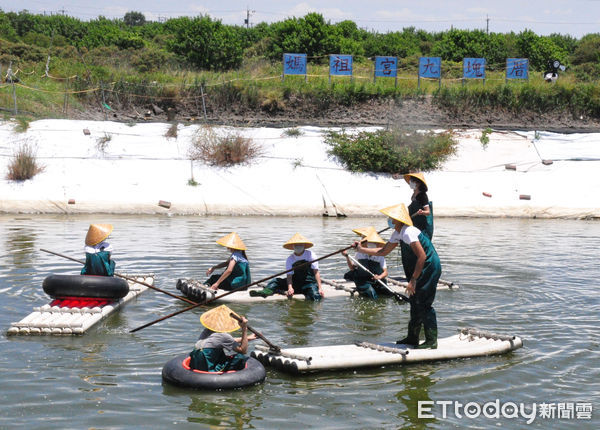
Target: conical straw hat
(418, 176)
(97, 233)
(398, 212)
(219, 320)
(297, 239)
(233, 241)
(364, 231)
(374, 237)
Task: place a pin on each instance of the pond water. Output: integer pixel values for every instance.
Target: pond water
(537, 279)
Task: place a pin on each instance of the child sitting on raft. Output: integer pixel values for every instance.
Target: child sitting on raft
(368, 285)
(237, 272)
(302, 278)
(98, 251)
(216, 350)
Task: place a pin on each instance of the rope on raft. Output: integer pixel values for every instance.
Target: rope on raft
(381, 348)
(286, 354)
(471, 332)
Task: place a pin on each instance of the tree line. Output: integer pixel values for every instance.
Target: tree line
(206, 43)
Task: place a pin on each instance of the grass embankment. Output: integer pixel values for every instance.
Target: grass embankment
(257, 87)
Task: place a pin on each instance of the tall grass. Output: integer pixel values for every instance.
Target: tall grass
(227, 150)
(23, 164)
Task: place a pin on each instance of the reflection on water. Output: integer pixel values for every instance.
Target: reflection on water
(533, 278)
(223, 411)
(298, 321)
(416, 388)
(20, 243)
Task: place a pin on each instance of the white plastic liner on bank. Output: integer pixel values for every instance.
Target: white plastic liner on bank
(138, 166)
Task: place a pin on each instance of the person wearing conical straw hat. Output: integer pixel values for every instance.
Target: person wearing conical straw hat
(237, 267)
(302, 278)
(98, 251)
(367, 285)
(420, 208)
(216, 349)
(422, 268)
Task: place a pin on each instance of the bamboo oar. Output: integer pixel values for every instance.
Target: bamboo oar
(272, 346)
(397, 295)
(189, 308)
(126, 277)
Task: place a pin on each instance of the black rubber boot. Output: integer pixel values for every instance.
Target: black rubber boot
(430, 339)
(413, 335)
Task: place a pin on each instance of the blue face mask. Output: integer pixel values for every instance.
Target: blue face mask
(391, 223)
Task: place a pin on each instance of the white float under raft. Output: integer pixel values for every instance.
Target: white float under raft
(75, 315)
(468, 343)
(332, 288)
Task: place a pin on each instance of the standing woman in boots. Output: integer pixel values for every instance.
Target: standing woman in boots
(420, 208)
(423, 270)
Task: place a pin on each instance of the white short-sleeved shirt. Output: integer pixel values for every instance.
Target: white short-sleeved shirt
(407, 234)
(211, 339)
(238, 257)
(307, 255)
(102, 246)
(378, 258)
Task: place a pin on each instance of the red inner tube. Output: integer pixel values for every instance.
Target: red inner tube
(80, 302)
(186, 365)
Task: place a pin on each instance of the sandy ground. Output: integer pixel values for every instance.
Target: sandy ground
(549, 174)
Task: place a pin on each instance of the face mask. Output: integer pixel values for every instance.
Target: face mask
(371, 245)
(298, 249)
(391, 223)
(412, 185)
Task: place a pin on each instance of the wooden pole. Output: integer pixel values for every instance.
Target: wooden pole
(203, 102)
(258, 334)
(398, 295)
(242, 287)
(126, 277)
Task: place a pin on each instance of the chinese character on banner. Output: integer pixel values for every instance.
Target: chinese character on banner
(430, 67)
(583, 411)
(566, 411)
(517, 68)
(294, 64)
(547, 410)
(474, 68)
(340, 65)
(386, 67)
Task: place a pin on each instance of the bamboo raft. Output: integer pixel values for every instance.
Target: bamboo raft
(467, 343)
(333, 288)
(74, 316)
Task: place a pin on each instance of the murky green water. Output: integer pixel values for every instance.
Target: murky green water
(534, 278)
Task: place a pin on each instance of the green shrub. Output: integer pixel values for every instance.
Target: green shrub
(293, 132)
(23, 165)
(22, 124)
(391, 151)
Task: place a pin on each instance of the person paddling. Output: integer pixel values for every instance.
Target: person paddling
(237, 267)
(422, 268)
(420, 208)
(216, 350)
(303, 279)
(98, 251)
(367, 285)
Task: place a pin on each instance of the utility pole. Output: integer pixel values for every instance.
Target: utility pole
(247, 20)
(487, 24)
